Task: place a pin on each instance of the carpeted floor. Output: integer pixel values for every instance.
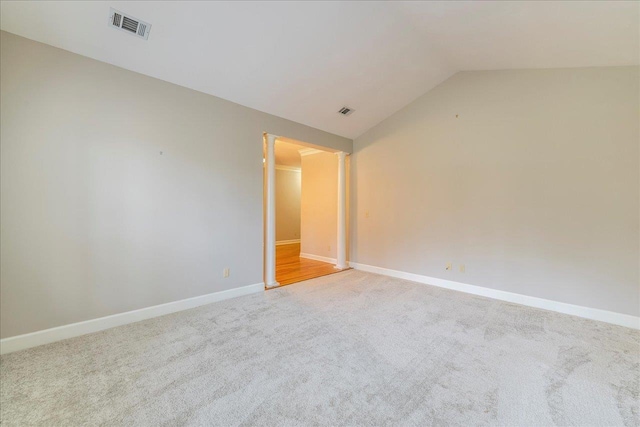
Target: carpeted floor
(347, 349)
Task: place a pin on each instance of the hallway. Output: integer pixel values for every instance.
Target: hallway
(290, 268)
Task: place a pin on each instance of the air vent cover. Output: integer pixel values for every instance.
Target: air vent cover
(345, 111)
(129, 24)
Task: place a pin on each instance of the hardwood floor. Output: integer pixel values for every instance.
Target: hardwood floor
(290, 268)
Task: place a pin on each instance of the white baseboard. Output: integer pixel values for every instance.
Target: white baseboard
(287, 242)
(20, 342)
(318, 258)
(560, 307)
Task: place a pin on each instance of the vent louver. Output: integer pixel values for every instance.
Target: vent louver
(129, 24)
(345, 111)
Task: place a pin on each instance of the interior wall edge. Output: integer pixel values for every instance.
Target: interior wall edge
(317, 257)
(47, 336)
(597, 314)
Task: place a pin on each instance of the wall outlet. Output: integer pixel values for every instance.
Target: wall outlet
(366, 214)
(462, 268)
(225, 272)
(449, 266)
(329, 248)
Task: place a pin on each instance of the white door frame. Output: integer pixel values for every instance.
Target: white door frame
(341, 247)
(270, 212)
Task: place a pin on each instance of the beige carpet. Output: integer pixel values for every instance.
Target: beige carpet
(347, 349)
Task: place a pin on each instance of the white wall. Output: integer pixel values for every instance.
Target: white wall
(528, 177)
(319, 212)
(288, 189)
(94, 220)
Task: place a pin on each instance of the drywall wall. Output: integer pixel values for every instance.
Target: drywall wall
(288, 183)
(530, 178)
(120, 191)
(319, 207)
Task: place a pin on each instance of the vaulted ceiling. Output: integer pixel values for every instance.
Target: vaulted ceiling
(305, 60)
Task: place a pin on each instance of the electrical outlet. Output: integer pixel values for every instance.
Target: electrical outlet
(366, 214)
(462, 268)
(449, 266)
(329, 248)
(225, 272)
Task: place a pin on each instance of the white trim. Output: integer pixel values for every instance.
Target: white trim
(288, 168)
(33, 339)
(287, 242)
(560, 307)
(270, 212)
(318, 258)
(309, 151)
(341, 236)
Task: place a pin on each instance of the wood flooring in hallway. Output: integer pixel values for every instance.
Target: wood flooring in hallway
(290, 268)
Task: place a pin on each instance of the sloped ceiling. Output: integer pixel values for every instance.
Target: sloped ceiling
(305, 60)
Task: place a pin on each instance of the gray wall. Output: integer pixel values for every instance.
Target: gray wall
(534, 186)
(94, 220)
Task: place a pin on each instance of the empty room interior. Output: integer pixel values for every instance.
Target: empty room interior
(347, 213)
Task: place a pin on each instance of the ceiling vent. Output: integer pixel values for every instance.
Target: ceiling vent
(345, 111)
(129, 24)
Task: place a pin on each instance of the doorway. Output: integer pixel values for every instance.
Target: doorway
(305, 212)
